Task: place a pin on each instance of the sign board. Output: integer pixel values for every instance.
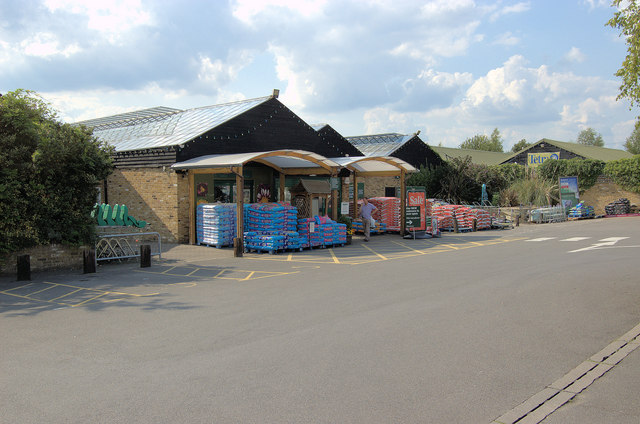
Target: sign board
(415, 211)
(335, 183)
(569, 193)
(360, 190)
(344, 208)
(535, 159)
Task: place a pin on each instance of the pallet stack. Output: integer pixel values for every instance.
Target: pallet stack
(464, 215)
(309, 239)
(387, 212)
(271, 227)
(482, 218)
(379, 228)
(619, 207)
(581, 211)
(216, 224)
(444, 214)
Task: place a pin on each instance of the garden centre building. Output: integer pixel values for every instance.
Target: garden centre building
(167, 161)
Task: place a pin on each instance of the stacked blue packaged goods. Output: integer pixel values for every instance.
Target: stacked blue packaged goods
(271, 226)
(290, 218)
(379, 228)
(310, 239)
(269, 242)
(216, 224)
(581, 211)
(341, 235)
(272, 240)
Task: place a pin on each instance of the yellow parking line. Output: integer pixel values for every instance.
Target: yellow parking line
(410, 248)
(333, 255)
(375, 253)
(46, 288)
(450, 246)
(248, 276)
(19, 287)
(167, 270)
(65, 295)
(193, 272)
(89, 300)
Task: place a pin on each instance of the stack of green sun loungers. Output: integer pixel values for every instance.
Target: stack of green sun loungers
(118, 215)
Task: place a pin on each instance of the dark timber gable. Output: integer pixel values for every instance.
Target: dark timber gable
(417, 153)
(268, 126)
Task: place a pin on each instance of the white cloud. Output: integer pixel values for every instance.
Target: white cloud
(507, 10)
(215, 73)
(507, 39)
(575, 55)
(44, 44)
(382, 120)
(81, 105)
(113, 18)
(247, 10)
(502, 87)
(597, 3)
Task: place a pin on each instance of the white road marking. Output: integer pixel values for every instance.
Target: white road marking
(542, 239)
(576, 239)
(603, 243)
(614, 239)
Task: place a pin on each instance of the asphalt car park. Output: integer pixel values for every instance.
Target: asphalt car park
(471, 327)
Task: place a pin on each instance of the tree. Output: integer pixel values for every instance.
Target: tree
(590, 137)
(520, 145)
(49, 173)
(632, 145)
(482, 142)
(626, 20)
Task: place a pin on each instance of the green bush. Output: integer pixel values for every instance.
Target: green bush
(49, 173)
(461, 181)
(587, 171)
(625, 172)
(430, 177)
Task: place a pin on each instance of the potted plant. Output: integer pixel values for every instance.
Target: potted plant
(346, 219)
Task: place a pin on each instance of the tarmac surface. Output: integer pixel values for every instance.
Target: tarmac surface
(393, 330)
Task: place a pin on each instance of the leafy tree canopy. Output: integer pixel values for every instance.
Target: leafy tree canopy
(482, 142)
(590, 137)
(520, 145)
(632, 145)
(626, 20)
(49, 173)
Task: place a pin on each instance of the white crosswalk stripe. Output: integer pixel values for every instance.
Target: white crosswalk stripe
(576, 239)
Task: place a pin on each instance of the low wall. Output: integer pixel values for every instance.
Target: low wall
(45, 258)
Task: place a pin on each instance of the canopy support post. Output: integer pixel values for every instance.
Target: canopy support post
(238, 243)
(334, 199)
(403, 202)
(355, 195)
(282, 194)
(192, 208)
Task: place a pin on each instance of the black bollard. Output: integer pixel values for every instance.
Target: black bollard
(145, 256)
(24, 267)
(89, 258)
(455, 225)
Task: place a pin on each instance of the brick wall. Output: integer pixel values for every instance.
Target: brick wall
(159, 196)
(374, 186)
(45, 258)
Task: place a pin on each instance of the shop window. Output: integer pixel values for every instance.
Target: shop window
(391, 192)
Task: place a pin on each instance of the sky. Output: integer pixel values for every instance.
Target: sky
(450, 69)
